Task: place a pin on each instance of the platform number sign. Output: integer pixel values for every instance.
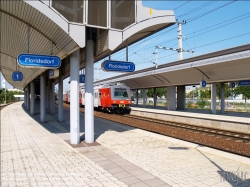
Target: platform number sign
(82, 78)
(17, 76)
(203, 83)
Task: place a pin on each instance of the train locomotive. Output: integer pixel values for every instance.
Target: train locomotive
(111, 98)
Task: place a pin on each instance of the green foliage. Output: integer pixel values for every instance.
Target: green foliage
(204, 93)
(201, 103)
(189, 104)
(244, 90)
(228, 90)
(9, 95)
(159, 92)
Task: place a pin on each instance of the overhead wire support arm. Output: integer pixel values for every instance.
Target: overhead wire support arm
(146, 58)
(180, 49)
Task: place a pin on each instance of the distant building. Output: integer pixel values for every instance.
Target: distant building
(14, 90)
(19, 97)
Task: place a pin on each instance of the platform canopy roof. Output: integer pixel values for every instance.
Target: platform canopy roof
(60, 27)
(227, 65)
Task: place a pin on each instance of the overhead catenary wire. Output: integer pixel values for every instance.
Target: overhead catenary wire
(196, 33)
(196, 9)
(182, 5)
(208, 27)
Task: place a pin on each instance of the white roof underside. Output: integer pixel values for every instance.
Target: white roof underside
(16, 16)
(221, 66)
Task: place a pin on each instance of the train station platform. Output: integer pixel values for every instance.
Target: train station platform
(38, 154)
(232, 121)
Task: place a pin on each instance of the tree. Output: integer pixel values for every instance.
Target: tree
(204, 93)
(228, 91)
(244, 90)
(159, 92)
(9, 95)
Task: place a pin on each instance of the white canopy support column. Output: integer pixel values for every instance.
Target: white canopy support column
(25, 98)
(171, 98)
(52, 97)
(137, 96)
(181, 97)
(222, 97)
(60, 96)
(144, 97)
(43, 93)
(28, 97)
(213, 98)
(155, 97)
(89, 77)
(74, 98)
(32, 98)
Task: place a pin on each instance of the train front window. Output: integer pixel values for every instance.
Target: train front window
(120, 93)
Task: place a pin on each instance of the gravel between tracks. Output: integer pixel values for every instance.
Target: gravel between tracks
(215, 141)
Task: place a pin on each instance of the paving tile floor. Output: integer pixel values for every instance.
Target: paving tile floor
(35, 154)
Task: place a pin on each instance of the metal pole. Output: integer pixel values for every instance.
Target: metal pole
(28, 97)
(32, 102)
(137, 97)
(51, 97)
(74, 98)
(127, 50)
(5, 94)
(43, 97)
(60, 96)
(25, 97)
(155, 97)
(89, 91)
(193, 94)
(222, 96)
(179, 41)
(156, 55)
(213, 99)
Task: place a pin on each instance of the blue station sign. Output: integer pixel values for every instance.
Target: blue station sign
(244, 83)
(17, 76)
(118, 66)
(203, 83)
(39, 61)
(232, 84)
(82, 78)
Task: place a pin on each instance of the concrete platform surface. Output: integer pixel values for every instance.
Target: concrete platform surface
(35, 154)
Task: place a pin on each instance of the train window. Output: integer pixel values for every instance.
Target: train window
(100, 95)
(120, 93)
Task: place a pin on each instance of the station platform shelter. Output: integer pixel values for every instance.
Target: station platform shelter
(40, 154)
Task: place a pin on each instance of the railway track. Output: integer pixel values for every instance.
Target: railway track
(3, 106)
(229, 141)
(212, 131)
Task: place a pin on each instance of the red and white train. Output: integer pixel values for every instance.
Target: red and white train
(110, 98)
